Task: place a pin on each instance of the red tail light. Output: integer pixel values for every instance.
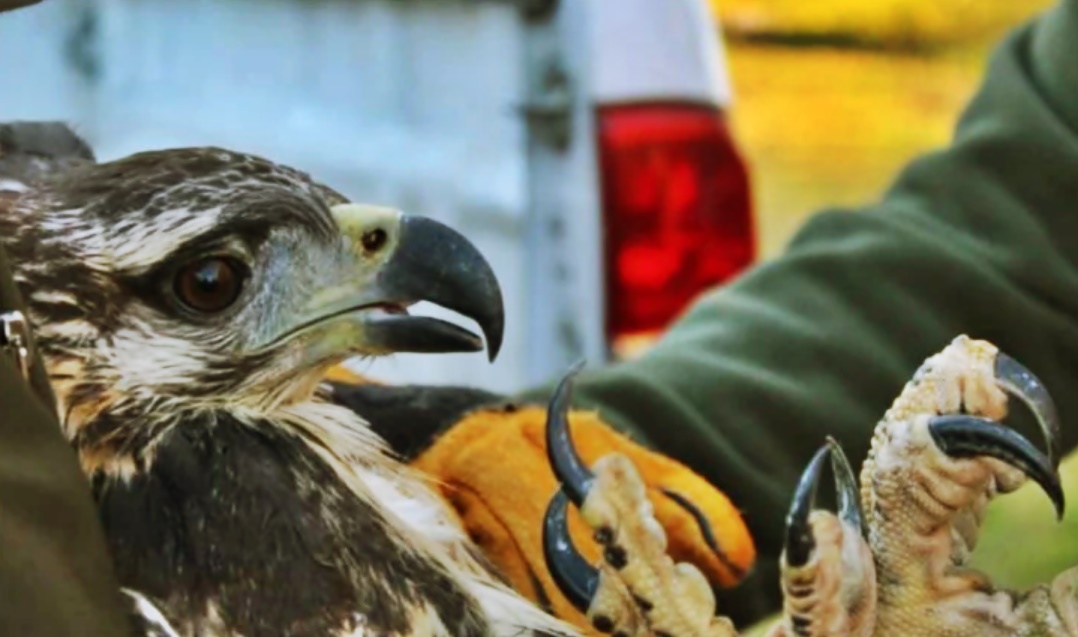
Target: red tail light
(677, 211)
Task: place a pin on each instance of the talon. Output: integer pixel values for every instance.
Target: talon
(849, 497)
(1016, 380)
(572, 574)
(799, 540)
(570, 470)
(962, 436)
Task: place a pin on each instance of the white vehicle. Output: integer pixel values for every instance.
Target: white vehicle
(581, 144)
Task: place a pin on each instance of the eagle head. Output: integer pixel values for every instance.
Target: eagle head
(199, 278)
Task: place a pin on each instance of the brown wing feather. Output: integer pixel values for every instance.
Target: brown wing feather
(32, 151)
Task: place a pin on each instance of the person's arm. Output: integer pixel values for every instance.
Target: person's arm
(56, 579)
(981, 238)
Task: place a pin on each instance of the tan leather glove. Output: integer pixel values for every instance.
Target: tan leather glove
(492, 466)
(489, 461)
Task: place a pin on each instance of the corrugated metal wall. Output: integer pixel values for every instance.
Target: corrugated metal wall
(410, 104)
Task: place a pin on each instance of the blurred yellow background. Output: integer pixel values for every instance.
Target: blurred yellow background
(833, 97)
(891, 24)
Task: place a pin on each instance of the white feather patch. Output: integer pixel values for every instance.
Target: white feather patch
(157, 624)
(145, 243)
(422, 516)
(54, 296)
(13, 185)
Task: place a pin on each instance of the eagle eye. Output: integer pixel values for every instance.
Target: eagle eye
(210, 284)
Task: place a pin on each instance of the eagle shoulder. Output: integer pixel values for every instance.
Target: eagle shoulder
(32, 151)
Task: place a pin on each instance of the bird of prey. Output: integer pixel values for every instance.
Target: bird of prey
(186, 304)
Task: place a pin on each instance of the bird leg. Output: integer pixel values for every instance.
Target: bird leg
(897, 565)
(937, 458)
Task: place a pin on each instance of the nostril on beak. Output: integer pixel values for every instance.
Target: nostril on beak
(374, 240)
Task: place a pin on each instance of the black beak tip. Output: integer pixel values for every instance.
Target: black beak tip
(435, 263)
(494, 332)
(486, 305)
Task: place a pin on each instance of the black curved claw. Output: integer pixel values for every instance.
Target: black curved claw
(799, 540)
(574, 576)
(963, 436)
(849, 496)
(570, 470)
(1016, 380)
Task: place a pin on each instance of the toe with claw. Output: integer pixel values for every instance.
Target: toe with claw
(890, 562)
(938, 457)
(828, 578)
(636, 589)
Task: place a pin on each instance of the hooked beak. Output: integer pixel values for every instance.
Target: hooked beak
(392, 261)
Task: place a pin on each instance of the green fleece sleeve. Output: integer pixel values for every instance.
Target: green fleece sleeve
(979, 239)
